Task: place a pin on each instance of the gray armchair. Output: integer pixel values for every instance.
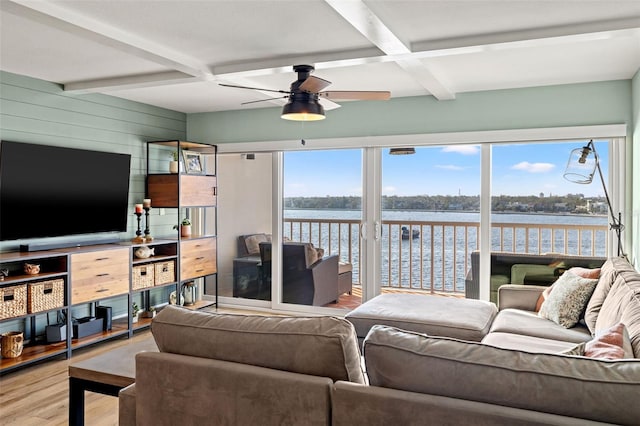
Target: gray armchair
(305, 279)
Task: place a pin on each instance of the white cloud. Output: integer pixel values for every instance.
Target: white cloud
(389, 190)
(462, 149)
(449, 167)
(533, 167)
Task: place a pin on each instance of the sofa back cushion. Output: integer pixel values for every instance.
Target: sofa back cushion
(552, 383)
(622, 304)
(320, 346)
(608, 274)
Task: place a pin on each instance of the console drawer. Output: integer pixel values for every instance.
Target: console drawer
(197, 258)
(99, 274)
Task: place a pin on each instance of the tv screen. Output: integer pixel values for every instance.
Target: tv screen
(50, 191)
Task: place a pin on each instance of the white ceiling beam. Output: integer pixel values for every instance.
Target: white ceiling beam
(55, 16)
(358, 14)
(129, 82)
(536, 36)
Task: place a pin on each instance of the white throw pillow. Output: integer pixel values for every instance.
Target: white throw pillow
(568, 299)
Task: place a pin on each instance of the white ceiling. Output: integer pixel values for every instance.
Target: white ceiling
(172, 53)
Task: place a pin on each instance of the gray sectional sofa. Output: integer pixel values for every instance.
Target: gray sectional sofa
(242, 370)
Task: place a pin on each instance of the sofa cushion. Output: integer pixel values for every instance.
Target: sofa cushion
(527, 343)
(622, 304)
(516, 321)
(568, 299)
(553, 383)
(468, 319)
(320, 346)
(608, 274)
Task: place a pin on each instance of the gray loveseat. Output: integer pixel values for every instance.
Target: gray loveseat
(242, 370)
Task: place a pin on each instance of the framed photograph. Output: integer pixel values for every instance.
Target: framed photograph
(193, 162)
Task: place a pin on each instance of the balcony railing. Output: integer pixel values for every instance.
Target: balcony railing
(435, 256)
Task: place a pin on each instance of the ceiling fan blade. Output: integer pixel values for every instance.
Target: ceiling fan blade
(254, 88)
(328, 104)
(346, 95)
(264, 100)
(314, 84)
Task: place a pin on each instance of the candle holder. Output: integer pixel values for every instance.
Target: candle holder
(139, 238)
(147, 233)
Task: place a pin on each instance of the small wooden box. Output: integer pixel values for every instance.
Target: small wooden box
(13, 301)
(143, 276)
(165, 272)
(45, 295)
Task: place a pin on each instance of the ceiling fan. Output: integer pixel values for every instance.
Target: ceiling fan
(306, 92)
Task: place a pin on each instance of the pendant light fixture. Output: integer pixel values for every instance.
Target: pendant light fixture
(303, 106)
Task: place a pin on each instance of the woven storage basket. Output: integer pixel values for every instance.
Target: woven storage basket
(45, 295)
(13, 301)
(165, 272)
(143, 276)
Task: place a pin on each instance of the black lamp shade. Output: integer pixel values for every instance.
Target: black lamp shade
(303, 107)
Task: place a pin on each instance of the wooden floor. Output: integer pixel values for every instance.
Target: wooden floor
(39, 395)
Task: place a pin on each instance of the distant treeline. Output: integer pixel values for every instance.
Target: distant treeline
(575, 203)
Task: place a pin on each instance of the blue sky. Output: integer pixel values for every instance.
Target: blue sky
(518, 169)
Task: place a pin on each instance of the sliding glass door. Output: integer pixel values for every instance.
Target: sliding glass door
(424, 222)
(322, 214)
(430, 218)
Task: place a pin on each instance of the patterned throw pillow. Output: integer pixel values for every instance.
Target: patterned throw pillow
(567, 299)
(576, 270)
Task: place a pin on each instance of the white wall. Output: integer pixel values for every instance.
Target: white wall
(244, 207)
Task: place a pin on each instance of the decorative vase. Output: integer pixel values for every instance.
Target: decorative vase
(185, 230)
(174, 167)
(12, 344)
(189, 293)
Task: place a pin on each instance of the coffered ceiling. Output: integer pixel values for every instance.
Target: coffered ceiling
(173, 53)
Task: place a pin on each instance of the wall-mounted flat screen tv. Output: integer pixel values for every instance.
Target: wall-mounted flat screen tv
(52, 191)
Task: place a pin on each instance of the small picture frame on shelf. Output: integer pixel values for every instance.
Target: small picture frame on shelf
(193, 162)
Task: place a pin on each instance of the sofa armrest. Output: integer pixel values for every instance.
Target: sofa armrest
(127, 406)
(517, 296)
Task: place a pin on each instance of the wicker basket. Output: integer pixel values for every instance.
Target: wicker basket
(143, 276)
(13, 301)
(45, 295)
(165, 272)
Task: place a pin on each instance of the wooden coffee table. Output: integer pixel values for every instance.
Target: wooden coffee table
(106, 373)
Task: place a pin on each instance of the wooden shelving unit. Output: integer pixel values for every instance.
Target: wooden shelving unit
(193, 194)
(99, 275)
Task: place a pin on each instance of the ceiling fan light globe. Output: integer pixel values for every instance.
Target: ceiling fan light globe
(303, 117)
